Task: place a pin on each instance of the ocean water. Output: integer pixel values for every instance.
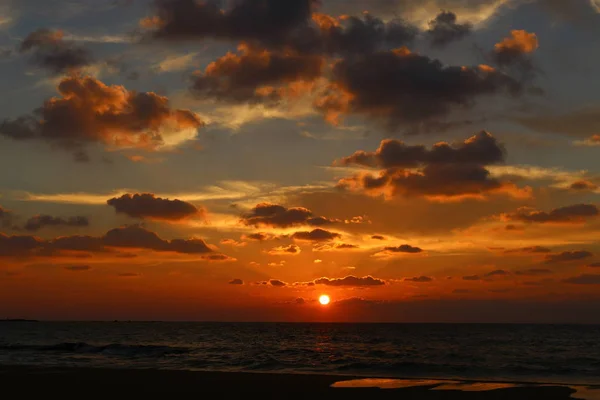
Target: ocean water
(531, 353)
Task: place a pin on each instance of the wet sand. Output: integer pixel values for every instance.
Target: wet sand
(21, 381)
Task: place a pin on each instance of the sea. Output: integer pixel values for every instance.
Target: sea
(565, 354)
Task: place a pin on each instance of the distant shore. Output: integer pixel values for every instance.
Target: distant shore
(225, 385)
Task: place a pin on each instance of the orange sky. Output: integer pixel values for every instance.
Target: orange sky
(174, 161)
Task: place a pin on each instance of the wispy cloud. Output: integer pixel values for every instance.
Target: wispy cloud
(176, 62)
(224, 190)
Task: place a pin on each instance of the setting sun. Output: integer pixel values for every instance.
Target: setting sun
(324, 299)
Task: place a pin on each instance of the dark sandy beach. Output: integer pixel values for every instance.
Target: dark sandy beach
(213, 385)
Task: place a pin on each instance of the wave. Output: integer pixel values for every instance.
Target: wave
(113, 349)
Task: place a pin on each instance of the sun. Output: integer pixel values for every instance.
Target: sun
(324, 300)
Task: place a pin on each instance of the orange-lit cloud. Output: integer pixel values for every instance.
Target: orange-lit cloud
(577, 213)
(277, 216)
(444, 173)
(258, 75)
(90, 111)
(290, 250)
(316, 235)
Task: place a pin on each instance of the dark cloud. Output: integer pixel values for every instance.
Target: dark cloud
(534, 272)
(351, 281)
(6, 218)
(257, 75)
(472, 278)
(594, 265)
(532, 249)
(293, 24)
(236, 282)
(276, 216)
(127, 237)
(583, 186)
(419, 279)
(481, 149)
(290, 250)
(445, 172)
(585, 279)
(350, 35)
(571, 214)
(264, 21)
(568, 256)
(277, 283)
(18, 245)
(78, 268)
(405, 248)
(378, 237)
(498, 272)
(398, 88)
(300, 300)
(258, 237)
(38, 222)
(445, 29)
(316, 235)
(52, 52)
(88, 111)
(149, 206)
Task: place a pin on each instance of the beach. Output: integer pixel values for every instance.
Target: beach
(116, 382)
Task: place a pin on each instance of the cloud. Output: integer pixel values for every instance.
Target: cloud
(419, 279)
(498, 272)
(577, 213)
(148, 206)
(445, 29)
(316, 235)
(300, 300)
(88, 111)
(78, 268)
(290, 250)
(585, 279)
(446, 172)
(6, 218)
(351, 35)
(568, 256)
(471, 278)
(591, 141)
(277, 283)
(276, 216)
(335, 247)
(38, 222)
(236, 282)
(126, 237)
(594, 265)
(378, 237)
(262, 21)
(52, 52)
(232, 242)
(258, 237)
(176, 62)
(405, 248)
(534, 272)
(401, 88)
(515, 50)
(583, 186)
(532, 249)
(258, 76)
(350, 281)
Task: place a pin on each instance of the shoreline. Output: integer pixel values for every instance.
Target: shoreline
(31, 379)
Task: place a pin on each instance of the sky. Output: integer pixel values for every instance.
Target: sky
(430, 161)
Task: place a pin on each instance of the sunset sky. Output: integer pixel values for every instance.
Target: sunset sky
(431, 160)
